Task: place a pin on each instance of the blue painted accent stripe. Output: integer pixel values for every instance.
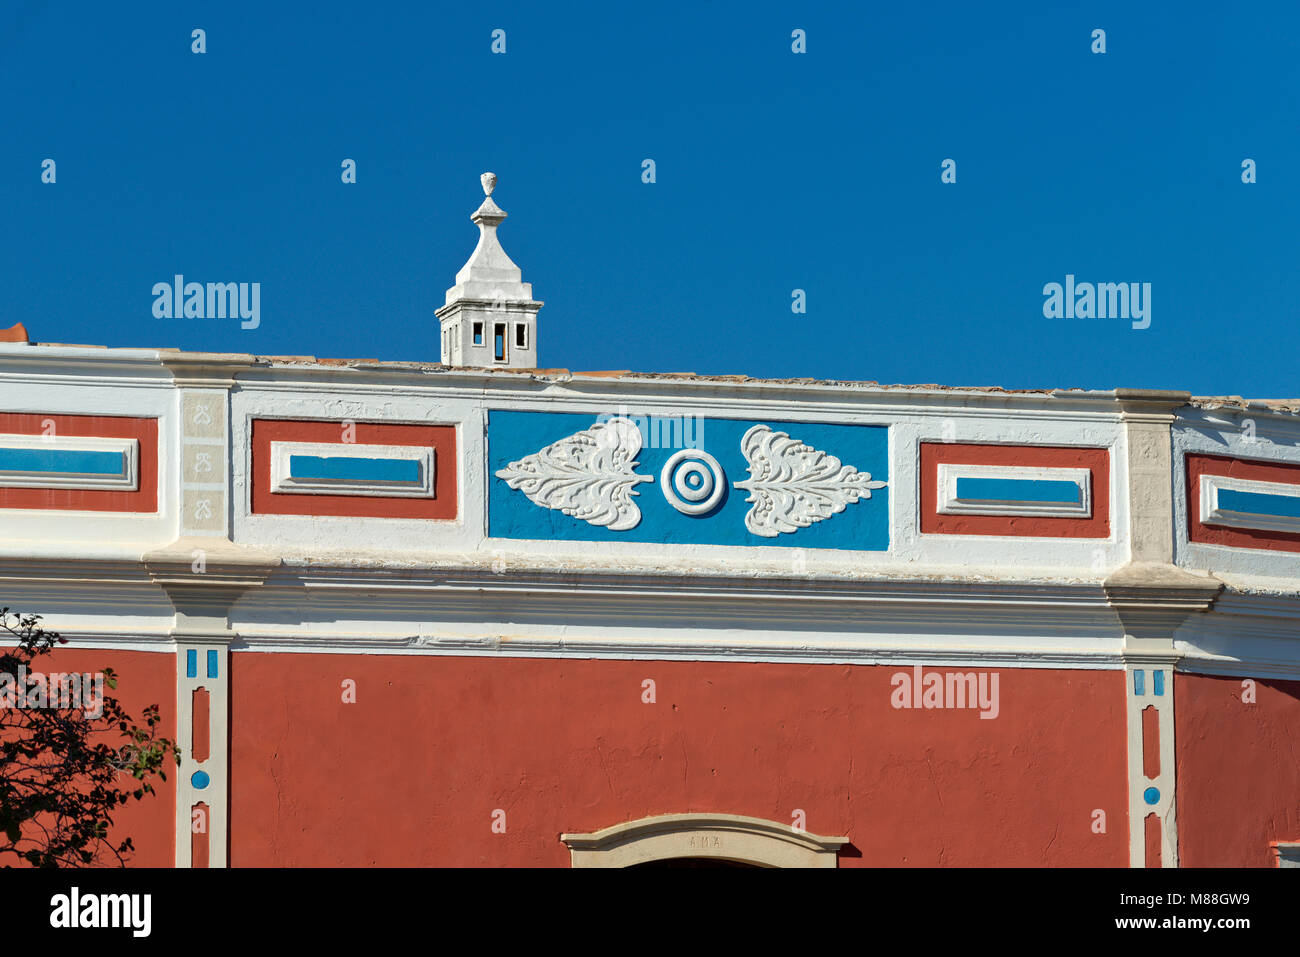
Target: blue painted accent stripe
(1017, 490)
(1259, 503)
(1139, 683)
(212, 664)
(62, 461)
(191, 663)
(353, 469)
(1158, 682)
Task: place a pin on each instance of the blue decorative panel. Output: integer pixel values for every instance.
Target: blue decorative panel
(1008, 491)
(1017, 490)
(191, 663)
(80, 462)
(1259, 503)
(707, 481)
(353, 469)
(62, 461)
(212, 663)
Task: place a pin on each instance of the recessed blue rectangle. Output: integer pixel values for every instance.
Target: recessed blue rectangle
(351, 469)
(191, 663)
(1138, 688)
(62, 461)
(1259, 503)
(212, 664)
(1048, 491)
(1158, 682)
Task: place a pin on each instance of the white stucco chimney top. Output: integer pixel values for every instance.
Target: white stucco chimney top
(490, 317)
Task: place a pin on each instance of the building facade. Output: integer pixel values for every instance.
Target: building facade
(476, 613)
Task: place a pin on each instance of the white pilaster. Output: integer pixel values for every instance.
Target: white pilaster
(1152, 598)
(203, 663)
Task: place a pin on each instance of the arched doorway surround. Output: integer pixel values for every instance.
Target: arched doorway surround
(723, 837)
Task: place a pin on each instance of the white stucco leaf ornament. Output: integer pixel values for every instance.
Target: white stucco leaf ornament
(588, 475)
(793, 485)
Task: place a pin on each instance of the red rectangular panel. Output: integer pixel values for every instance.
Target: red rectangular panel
(442, 438)
(1198, 465)
(1097, 461)
(144, 431)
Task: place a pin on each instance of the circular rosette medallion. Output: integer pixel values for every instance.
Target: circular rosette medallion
(692, 481)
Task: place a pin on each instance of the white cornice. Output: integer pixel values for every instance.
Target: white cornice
(307, 608)
(43, 363)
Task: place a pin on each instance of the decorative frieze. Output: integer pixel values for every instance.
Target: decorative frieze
(204, 461)
(584, 483)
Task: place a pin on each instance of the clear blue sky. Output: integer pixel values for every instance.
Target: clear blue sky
(775, 171)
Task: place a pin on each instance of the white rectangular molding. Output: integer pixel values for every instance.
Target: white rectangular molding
(283, 481)
(1213, 512)
(14, 474)
(949, 503)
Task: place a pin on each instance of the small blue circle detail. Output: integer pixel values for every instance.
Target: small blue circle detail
(1151, 795)
(200, 779)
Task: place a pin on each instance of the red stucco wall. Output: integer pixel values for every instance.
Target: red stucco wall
(144, 678)
(412, 772)
(1238, 770)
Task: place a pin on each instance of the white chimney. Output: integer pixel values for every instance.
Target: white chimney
(490, 317)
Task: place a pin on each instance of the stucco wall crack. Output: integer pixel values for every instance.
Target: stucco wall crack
(929, 765)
